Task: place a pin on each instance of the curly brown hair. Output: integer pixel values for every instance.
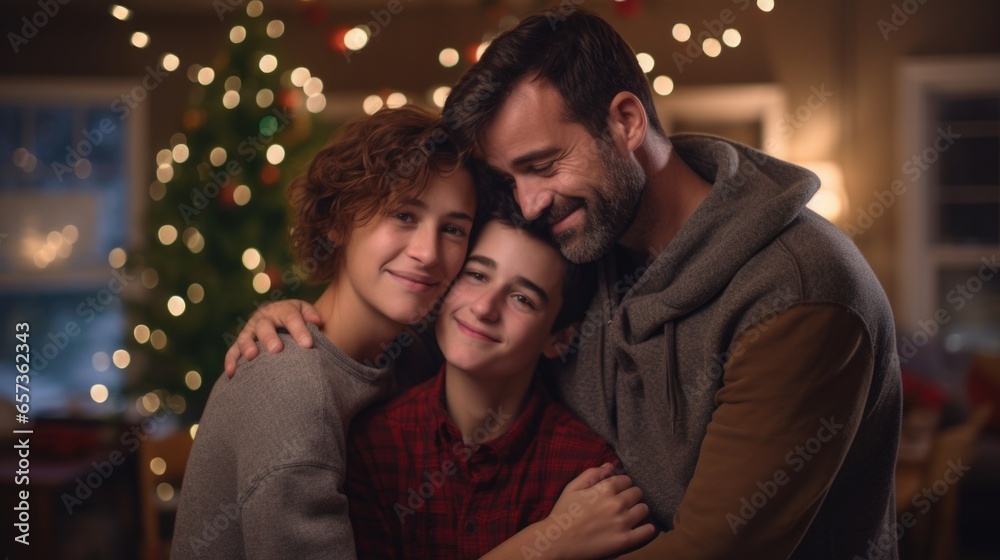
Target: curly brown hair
(371, 165)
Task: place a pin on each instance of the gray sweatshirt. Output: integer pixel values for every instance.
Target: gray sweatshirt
(747, 376)
(266, 472)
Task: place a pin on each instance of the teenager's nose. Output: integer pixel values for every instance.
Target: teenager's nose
(532, 198)
(423, 246)
(486, 307)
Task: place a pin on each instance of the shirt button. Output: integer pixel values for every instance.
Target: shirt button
(470, 526)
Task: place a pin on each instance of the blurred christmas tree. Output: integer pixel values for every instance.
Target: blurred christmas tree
(216, 231)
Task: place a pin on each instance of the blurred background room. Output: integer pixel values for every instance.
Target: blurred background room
(145, 148)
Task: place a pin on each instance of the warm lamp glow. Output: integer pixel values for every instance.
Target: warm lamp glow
(830, 201)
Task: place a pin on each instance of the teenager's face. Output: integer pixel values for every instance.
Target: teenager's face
(497, 318)
(582, 186)
(401, 263)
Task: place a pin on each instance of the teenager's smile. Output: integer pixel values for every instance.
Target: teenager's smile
(473, 332)
(413, 281)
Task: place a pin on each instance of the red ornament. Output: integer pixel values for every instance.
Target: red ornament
(275, 275)
(336, 39)
(290, 98)
(226, 195)
(270, 174)
(626, 8)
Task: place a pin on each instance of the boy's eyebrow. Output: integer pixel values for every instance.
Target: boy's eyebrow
(458, 215)
(518, 280)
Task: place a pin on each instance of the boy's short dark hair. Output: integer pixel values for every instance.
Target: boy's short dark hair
(576, 51)
(580, 281)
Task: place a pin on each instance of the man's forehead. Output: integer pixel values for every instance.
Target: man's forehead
(531, 112)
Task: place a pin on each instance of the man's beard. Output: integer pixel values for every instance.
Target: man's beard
(610, 211)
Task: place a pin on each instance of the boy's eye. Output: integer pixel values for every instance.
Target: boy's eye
(475, 275)
(404, 216)
(524, 300)
(454, 230)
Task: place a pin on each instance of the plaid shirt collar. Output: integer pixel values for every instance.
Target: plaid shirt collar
(506, 448)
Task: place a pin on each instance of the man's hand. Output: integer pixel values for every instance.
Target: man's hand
(598, 515)
(292, 314)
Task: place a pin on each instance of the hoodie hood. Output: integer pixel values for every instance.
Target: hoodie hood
(715, 243)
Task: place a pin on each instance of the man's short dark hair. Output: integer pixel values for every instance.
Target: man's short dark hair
(586, 60)
(580, 281)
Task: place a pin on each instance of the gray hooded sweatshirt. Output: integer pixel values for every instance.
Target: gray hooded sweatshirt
(747, 376)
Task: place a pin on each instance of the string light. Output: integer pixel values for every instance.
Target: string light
(268, 63)
(140, 40)
(205, 76)
(170, 62)
(316, 103)
(481, 49)
(371, 104)
(196, 293)
(448, 57)
(264, 98)
(681, 32)
(261, 283)
(395, 100)
(120, 13)
(440, 95)
(157, 191)
(732, 38)
(217, 156)
(165, 491)
(121, 359)
(164, 173)
(193, 380)
(231, 99)
(663, 85)
(275, 154)
(99, 393)
(275, 28)
(765, 5)
(255, 8)
(646, 62)
(312, 86)
(237, 34)
(299, 76)
(356, 38)
(117, 257)
(180, 153)
(176, 306)
(101, 361)
(251, 258)
(712, 47)
(141, 334)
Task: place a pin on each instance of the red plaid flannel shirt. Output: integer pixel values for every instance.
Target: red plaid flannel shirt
(416, 490)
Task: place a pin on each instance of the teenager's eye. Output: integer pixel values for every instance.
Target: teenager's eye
(524, 300)
(476, 275)
(404, 217)
(454, 230)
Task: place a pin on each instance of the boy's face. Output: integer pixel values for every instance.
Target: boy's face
(497, 318)
(400, 264)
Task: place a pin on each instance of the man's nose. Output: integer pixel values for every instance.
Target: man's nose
(532, 198)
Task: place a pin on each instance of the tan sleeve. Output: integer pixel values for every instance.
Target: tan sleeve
(793, 393)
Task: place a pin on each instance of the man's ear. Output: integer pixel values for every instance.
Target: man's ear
(559, 341)
(627, 121)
